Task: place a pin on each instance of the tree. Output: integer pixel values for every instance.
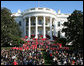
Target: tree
(74, 29)
(9, 28)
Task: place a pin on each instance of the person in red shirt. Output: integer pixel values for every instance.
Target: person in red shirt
(50, 54)
(73, 62)
(15, 63)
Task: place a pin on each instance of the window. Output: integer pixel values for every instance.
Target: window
(59, 34)
(47, 9)
(40, 22)
(33, 9)
(20, 23)
(26, 32)
(27, 22)
(40, 32)
(58, 23)
(40, 8)
(32, 22)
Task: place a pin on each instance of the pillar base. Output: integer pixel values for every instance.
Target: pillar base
(36, 37)
(44, 37)
(51, 38)
(29, 37)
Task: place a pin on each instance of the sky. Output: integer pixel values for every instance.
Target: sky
(64, 6)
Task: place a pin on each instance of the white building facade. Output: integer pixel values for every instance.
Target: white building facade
(41, 21)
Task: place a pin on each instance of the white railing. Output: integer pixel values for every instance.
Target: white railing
(41, 9)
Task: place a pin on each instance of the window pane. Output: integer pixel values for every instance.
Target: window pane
(20, 23)
(40, 22)
(59, 34)
(26, 21)
(33, 9)
(40, 8)
(58, 23)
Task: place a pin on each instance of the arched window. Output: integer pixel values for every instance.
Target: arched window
(59, 34)
(20, 23)
(27, 22)
(58, 23)
(40, 22)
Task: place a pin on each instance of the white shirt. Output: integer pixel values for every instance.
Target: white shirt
(65, 62)
(74, 57)
(59, 63)
(13, 57)
(54, 59)
(6, 56)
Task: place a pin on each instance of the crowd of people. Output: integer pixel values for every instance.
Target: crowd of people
(17, 57)
(36, 56)
(65, 58)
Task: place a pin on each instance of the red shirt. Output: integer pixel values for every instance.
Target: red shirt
(15, 63)
(46, 46)
(73, 62)
(56, 51)
(50, 54)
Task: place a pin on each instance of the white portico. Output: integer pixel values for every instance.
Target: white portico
(40, 21)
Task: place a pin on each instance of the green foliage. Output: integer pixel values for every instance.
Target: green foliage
(61, 40)
(9, 28)
(74, 29)
(17, 41)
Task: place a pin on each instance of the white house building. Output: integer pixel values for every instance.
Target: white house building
(41, 21)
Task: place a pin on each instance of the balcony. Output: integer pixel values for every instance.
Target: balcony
(47, 24)
(40, 24)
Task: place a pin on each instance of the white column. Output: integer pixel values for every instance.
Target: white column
(24, 27)
(36, 36)
(29, 27)
(54, 27)
(44, 28)
(51, 28)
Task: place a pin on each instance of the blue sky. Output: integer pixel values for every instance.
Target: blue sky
(64, 6)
